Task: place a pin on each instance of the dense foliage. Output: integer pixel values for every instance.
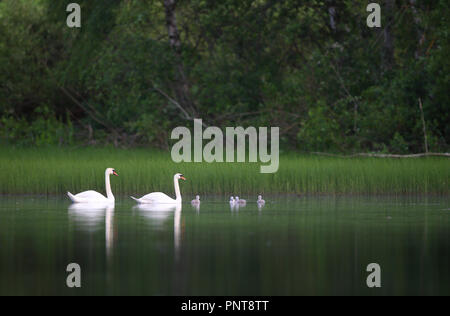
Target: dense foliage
(313, 68)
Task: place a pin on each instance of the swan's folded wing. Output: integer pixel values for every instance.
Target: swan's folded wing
(156, 197)
(90, 195)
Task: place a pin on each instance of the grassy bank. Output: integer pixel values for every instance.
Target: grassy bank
(56, 171)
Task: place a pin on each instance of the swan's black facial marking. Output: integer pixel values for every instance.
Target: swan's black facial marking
(182, 177)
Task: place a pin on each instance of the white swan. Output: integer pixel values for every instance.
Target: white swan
(260, 200)
(240, 201)
(95, 197)
(232, 201)
(161, 198)
(196, 201)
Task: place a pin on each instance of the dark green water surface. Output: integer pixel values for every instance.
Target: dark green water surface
(292, 246)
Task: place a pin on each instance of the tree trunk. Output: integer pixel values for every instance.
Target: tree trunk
(388, 45)
(181, 87)
(332, 13)
(418, 23)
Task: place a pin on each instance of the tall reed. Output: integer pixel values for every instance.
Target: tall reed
(56, 171)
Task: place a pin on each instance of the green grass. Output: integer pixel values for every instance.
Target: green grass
(56, 171)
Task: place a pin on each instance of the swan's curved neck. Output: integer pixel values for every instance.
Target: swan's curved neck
(109, 193)
(177, 190)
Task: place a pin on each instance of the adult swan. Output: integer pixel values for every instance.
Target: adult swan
(95, 197)
(161, 198)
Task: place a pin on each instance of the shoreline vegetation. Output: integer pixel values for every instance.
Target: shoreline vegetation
(54, 171)
(136, 70)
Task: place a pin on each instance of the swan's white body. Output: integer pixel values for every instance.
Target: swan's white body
(232, 201)
(89, 197)
(260, 200)
(240, 202)
(196, 201)
(93, 197)
(161, 198)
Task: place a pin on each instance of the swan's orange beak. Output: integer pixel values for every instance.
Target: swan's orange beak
(183, 178)
(115, 173)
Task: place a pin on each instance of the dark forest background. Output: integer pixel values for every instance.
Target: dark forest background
(137, 69)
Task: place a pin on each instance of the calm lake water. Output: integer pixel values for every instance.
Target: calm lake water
(292, 246)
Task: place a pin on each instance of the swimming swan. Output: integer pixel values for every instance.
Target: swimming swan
(240, 201)
(260, 200)
(161, 198)
(95, 197)
(196, 201)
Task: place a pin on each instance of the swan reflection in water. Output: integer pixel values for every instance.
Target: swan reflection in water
(109, 232)
(196, 207)
(159, 214)
(236, 206)
(260, 207)
(89, 217)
